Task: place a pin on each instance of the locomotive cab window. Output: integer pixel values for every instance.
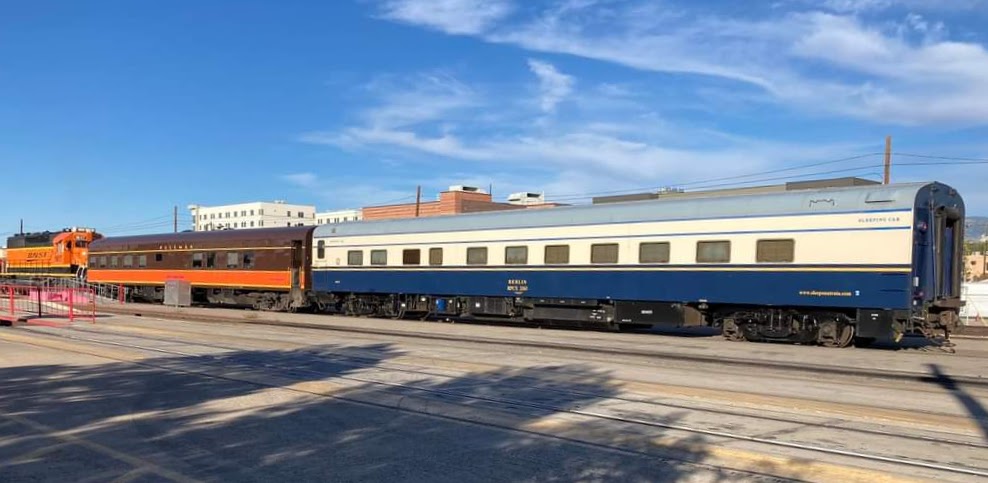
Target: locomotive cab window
(435, 256)
(604, 253)
(653, 252)
(556, 254)
(197, 259)
(355, 257)
(379, 257)
(775, 251)
(477, 256)
(713, 251)
(411, 256)
(321, 249)
(515, 255)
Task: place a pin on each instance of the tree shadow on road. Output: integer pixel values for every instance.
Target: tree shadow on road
(975, 410)
(328, 413)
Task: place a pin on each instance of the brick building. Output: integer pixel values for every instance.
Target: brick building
(456, 200)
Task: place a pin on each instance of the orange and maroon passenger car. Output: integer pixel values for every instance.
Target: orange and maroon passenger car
(263, 268)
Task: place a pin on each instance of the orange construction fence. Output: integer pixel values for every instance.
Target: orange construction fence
(37, 303)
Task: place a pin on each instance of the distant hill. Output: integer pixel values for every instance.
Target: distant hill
(976, 227)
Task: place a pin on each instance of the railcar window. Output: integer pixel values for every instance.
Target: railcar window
(653, 252)
(211, 260)
(321, 249)
(232, 260)
(197, 260)
(158, 257)
(142, 261)
(435, 256)
(248, 260)
(113, 262)
(102, 262)
(556, 254)
(713, 252)
(516, 255)
(128, 261)
(477, 256)
(411, 256)
(355, 257)
(604, 253)
(379, 257)
(778, 251)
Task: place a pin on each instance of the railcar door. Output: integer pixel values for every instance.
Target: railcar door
(298, 258)
(947, 249)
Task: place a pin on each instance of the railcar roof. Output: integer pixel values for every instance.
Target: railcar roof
(286, 233)
(796, 202)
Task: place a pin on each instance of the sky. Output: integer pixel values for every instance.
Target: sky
(113, 112)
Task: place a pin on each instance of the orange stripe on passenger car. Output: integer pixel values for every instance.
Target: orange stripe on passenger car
(203, 278)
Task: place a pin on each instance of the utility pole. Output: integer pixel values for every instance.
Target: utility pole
(175, 218)
(888, 159)
(22, 226)
(418, 199)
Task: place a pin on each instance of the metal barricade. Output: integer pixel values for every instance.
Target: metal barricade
(35, 303)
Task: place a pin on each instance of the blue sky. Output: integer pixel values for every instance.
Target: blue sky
(112, 112)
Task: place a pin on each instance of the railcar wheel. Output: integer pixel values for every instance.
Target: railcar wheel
(834, 333)
(732, 331)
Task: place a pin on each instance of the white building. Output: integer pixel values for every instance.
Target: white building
(263, 214)
(258, 214)
(338, 216)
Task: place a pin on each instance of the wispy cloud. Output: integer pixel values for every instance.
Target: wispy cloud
(452, 16)
(553, 85)
(893, 71)
(304, 180)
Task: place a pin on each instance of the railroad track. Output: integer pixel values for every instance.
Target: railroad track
(304, 365)
(823, 370)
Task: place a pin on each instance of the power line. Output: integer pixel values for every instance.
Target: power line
(948, 158)
(710, 180)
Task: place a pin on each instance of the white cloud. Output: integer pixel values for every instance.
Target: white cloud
(451, 16)
(901, 72)
(554, 86)
(305, 180)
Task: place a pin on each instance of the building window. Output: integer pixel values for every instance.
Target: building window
(158, 257)
(260, 211)
(197, 259)
(775, 251)
(556, 254)
(411, 256)
(243, 213)
(713, 252)
(379, 257)
(289, 224)
(477, 256)
(301, 215)
(142, 261)
(321, 249)
(248, 260)
(515, 255)
(355, 257)
(260, 223)
(653, 252)
(212, 216)
(252, 224)
(232, 260)
(604, 253)
(251, 212)
(435, 256)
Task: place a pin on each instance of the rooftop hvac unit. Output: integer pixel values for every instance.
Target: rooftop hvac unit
(526, 198)
(468, 189)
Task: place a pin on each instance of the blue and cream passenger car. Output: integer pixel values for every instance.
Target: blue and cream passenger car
(825, 266)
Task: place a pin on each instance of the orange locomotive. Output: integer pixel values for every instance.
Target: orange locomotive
(49, 254)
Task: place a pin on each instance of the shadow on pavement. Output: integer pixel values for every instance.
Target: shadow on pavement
(975, 410)
(65, 422)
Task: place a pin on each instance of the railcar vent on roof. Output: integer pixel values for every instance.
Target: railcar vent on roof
(880, 197)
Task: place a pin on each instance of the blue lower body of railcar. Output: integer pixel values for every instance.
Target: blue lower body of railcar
(831, 287)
